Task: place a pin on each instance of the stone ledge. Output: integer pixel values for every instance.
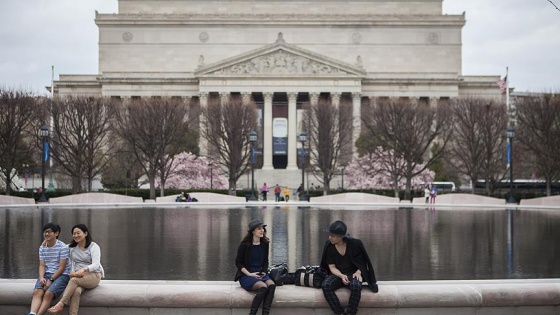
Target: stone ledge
(443, 296)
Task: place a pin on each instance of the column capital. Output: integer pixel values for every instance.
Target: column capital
(292, 97)
(356, 95)
(246, 97)
(224, 97)
(203, 97)
(268, 96)
(335, 98)
(314, 98)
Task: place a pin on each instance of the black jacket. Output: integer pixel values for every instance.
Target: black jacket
(358, 255)
(243, 258)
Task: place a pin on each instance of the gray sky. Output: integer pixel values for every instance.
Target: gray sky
(521, 34)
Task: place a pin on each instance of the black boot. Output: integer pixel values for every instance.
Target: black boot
(257, 300)
(268, 300)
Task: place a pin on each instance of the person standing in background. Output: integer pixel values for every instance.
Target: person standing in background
(286, 194)
(277, 191)
(264, 191)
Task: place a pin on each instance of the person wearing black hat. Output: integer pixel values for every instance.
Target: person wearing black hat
(348, 264)
(252, 267)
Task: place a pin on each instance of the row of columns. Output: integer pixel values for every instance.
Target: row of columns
(292, 123)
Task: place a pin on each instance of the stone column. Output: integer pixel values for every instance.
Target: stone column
(356, 121)
(202, 142)
(292, 131)
(433, 102)
(335, 98)
(224, 97)
(267, 131)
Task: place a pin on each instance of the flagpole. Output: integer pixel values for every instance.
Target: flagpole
(510, 132)
(51, 182)
(507, 93)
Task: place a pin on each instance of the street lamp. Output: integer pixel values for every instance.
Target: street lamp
(44, 132)
(253, 140)
(302, 139)
(25, 174)
(510, 136)
(342, 173)
(211, 174)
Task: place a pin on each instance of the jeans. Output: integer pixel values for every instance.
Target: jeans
(333, 283)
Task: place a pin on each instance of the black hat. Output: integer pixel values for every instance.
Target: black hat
(254, 224)
(338, 228)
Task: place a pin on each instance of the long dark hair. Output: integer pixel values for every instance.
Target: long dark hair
(248, 239)
(84, 229)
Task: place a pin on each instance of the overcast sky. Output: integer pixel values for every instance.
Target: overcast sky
(521, 34)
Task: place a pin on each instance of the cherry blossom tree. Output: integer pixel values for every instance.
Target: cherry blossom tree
(382, 169)
(189, 171)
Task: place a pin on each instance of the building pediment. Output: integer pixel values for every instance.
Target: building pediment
(280, 60)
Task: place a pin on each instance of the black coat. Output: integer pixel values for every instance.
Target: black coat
(359, 257)
(243, 258)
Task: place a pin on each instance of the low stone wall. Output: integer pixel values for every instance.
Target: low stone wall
(95, 198)
(463, 199)
(541, 296)
(544, 201)
(204, 197)
(13, 200)
(346, 198)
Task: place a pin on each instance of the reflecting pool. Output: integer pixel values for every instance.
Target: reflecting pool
(199, 243)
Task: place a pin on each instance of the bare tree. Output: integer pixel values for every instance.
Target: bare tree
(157, 130)
(18, 110)
(227, 127)
(329, 131)
(538, 130)
(477, 146)
(122, 169)
(80, 138)
(408, 129)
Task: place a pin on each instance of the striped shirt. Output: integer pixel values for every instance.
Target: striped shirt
(53, 255)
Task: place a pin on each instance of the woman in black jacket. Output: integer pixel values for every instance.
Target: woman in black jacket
(252, 267)
(348, 264)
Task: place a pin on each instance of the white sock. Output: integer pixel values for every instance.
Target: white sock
(32, 313)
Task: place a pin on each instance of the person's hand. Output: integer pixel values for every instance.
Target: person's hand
(358, 276)
(44, 244)
(257, 275)
(80, 273)
(43, 281)
(345, 280)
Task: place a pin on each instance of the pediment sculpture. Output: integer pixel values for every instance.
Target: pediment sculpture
(280, 62)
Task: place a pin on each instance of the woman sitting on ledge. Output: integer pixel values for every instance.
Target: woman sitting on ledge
(252, 267)
(85, 256)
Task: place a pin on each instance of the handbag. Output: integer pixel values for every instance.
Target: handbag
(278, 273)
(310, 276)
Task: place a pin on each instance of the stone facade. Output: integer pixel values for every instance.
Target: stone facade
(280, 53)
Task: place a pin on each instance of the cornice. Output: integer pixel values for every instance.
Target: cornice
(404, 81)
(275, 19)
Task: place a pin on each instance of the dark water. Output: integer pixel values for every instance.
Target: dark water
(200, 243)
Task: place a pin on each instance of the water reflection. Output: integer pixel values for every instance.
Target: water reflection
(200, 243)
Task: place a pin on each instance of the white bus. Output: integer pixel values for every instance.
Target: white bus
(443, 186)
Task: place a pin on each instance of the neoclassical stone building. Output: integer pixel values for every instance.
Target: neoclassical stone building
(281, 54)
